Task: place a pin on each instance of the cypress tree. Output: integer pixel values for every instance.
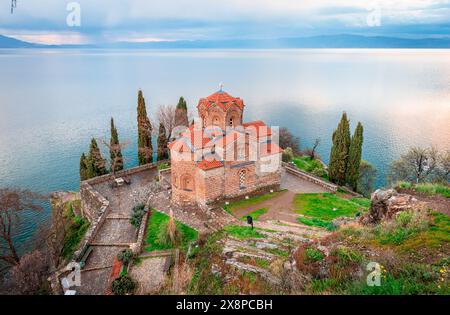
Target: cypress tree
(163, 151)
(95, 161)
(354, 157)
(181, 117)
(145, 148)
(337, 168)
(115, 151)
(83, 168)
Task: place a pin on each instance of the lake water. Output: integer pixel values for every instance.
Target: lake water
(53, 101)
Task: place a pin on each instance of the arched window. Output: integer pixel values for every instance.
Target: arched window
(242, 175)
(231, 122)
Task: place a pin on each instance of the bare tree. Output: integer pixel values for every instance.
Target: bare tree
(56, 233)
(29, 275)
(444, 166)
(311, 152)
(288, 140)
(12, 202)
(417, 165)
(166, 116)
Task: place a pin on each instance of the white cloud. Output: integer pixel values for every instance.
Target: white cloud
(179, 19)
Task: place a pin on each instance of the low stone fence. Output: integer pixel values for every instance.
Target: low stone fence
(309, 177)
(98, 215)
(351, 192)
(123, 173)
(137, 247)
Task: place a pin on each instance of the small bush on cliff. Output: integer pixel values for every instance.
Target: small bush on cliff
(138, 214)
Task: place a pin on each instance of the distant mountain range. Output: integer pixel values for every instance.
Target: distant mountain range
(325, 41)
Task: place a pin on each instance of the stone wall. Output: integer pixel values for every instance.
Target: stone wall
(95, 208)
(137, 247)
(123, 173)
(311, 178)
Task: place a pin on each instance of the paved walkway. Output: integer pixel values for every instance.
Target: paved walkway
(116, 233)
(298, 185)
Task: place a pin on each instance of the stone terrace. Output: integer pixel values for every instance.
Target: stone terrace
(116, 233)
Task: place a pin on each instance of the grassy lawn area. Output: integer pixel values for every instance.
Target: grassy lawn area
(321, 209)
(255, 214)
(242, 232)
(233, 206)
(306, 164)
(156, 222)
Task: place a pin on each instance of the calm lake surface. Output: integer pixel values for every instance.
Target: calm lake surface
(53, 101)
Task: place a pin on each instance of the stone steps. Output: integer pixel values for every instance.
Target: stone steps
(250, 268)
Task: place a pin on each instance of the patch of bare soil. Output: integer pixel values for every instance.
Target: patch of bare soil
(279, 207)
(435, 202)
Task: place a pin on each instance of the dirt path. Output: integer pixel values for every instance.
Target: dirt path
(436, 202)
(279, 207)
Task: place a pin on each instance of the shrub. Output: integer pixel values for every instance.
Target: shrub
(123, 285)
(312, 255)
(405, 225)
(163, 166)
(137, 215)
(169, 234)
(287, 155)
(404, 218)
(319, 172)
(346, 255)
(125, 256)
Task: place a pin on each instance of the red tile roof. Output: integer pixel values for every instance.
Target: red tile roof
(221, 99)
(208, 165)
(269, 149)
(261, 129)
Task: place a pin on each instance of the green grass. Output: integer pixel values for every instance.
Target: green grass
(318, 208)
(279, 252)
(203, 281)
(255, 214)
(261, 262)
(242, 232)
(76, 230)
(427, 188)
(413, 279)
(163, 166)
(230, 208)
(365, 202)
(316, 222)
(313, 255)
(156, 221)
(306, 164)
(437, 234)
(434, 189)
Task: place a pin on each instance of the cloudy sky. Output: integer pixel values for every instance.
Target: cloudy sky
(45, 21)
